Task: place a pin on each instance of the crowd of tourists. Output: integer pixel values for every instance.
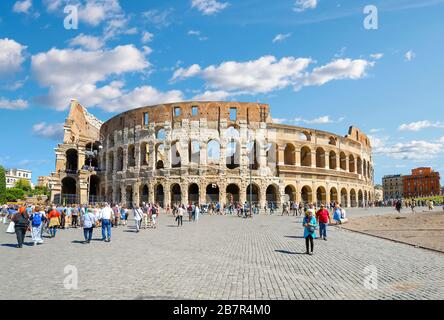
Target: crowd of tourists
(47, 220)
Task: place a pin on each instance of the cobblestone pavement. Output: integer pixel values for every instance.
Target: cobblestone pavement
(220, 257)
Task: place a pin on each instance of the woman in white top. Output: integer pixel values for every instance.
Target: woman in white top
(138, 216)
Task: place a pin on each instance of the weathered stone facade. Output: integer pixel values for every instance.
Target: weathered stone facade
(201, 152)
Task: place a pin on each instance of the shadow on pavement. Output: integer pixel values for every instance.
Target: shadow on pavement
(288, 252)
(295, 237)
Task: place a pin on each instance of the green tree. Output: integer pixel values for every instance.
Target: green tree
(23, 184)
(14, 194)
(2, 185)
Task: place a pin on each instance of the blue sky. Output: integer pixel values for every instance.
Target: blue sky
(313, 61)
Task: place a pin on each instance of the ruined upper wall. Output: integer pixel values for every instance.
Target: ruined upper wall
(211, 111)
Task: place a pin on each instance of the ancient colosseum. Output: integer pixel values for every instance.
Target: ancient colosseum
(208, 152)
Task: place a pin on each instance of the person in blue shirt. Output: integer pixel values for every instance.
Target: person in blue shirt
(309, 223)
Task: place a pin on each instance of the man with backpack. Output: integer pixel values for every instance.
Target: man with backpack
(154, 216)
(37, 219)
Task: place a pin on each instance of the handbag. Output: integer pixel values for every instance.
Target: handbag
(311, 229)
(11, 228)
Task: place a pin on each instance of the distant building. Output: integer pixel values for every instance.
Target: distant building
(423, 182)
(13, 175)
(379, 193)
(392, 186)
(43, 181)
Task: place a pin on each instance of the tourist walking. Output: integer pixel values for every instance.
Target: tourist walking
(138, 216)
(75, 217)
(21, 224)
(54, 222)
(180, 213)
(309, 223)
(37, 219)
(89, 223)
(106, 215)
(154, 213)
(196, 212)
(323, 218)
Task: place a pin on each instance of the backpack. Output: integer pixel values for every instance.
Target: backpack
(36, 219)
(22, 221)
(154, 210)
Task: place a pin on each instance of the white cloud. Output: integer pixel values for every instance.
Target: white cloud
(280, 120)
(410, 55)
(147, 37)
(182, 73)
(11, 56)
(18, 104)
(281, 37)
(377, 56)
(158, 18)
(193, 33)
(22, 6)
(87, 42)
(419, 125)
(53, 131)
(267, 74)
(441, 140)
(92, 12)
(213, 96)
(143, 96)
(319, 120)
(413, 150)
(209, 7)
(82, 70)
(302, 5)
(336, 70)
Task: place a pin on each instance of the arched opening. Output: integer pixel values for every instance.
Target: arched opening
(120, 159)
(212, 193)
(194, 152)
(343, 161)
(253, 153)
(144, 194)
(351, 163)
(360, 165)
(344, 201)
(111, 161)
(290, 154)
(119, 196)
(232, 155)
(353, 200)
(306, 195)
(334, 195)
(176, 194)
(364, 168)
(321, 196)
(290, 192)
(144, 154)
(193, 193)
(131, 156)
(332, 141)
(272, 194)
(213, 152)
(92, 155)
(159, 195)
(305, 136)
(176, 160)
(332, 162)
(72, 161)
(233, 196)
(160, 134)
(69, 191)
(365, 198)
(109, 195)
(94, 186)
(305, 157)
(253, 193)
(320, 158)
(129, 196)
(160, 156)
(360, 198)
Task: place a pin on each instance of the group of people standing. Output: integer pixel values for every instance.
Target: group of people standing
(320, 219)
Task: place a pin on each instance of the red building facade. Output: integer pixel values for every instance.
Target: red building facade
(423, 182)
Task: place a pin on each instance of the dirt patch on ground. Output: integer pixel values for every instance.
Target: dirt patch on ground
(420, 229)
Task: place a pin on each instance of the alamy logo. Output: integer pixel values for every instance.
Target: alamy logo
(71, 281)
(72, 19)
(371, 20)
